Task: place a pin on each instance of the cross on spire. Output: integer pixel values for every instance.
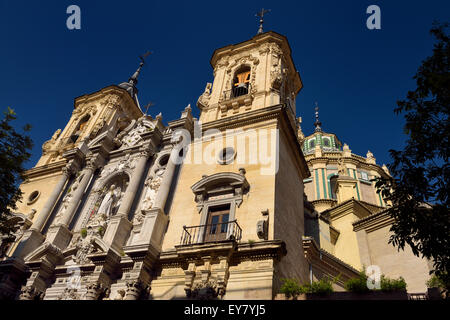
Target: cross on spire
(150, 104)
(317, 124)
(261, 19)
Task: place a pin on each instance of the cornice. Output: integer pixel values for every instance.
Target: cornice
(332, 157)
(373, 222)
(47, 169)
(345, 208)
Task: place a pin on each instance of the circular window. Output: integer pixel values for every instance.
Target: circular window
(33, 197)
(226, 156)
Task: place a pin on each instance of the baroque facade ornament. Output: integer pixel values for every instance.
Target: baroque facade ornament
(133, 137)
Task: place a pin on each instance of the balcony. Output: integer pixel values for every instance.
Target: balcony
(210, 233)
(238, 91)
(235, 98)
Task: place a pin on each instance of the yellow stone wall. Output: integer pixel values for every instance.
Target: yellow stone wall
(44, 184)
(289, 216)
(261, 195)
(346, 247)
(394, 263)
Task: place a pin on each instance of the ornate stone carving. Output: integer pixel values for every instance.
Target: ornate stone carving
(69, 294)
(203, 100)
(134, 288)
(85, 245)
(47, 147)
(30, 293)
(120, 295)
(133, 137)
(203, 291)
(94, 290)
(342, 170)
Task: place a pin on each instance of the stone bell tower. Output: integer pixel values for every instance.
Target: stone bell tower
(251, 75)
(237, 213)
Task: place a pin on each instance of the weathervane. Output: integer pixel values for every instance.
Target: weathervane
(134, 78)
(317, 124)
(261, 20)
(144, 56)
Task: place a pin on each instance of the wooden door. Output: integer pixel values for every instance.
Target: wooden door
(217, 224)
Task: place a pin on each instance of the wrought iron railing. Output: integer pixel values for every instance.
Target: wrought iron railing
(211, 233)
(237, 91)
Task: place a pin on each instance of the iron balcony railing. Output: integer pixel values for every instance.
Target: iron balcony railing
(211, 233)
(240, 90)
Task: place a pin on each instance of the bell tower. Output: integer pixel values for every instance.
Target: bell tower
(251, 75)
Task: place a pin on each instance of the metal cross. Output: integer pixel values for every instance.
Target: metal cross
(150, 104)
(261, 20)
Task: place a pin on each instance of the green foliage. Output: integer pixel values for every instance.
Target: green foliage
(442, 281)
(434, 282)
(251, 242)
(418, 189)
(358, 285)
(83, 233)
(323, 286)
(101, 231)
(14, 152)
(388, 284)
(291, 288)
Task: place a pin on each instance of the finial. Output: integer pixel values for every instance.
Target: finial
(261, 19)
(317, 124)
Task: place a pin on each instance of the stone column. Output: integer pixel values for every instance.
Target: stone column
(59, 234)
(134, 288)
(133, 185)
(93, 291)
(164, 188)
(45, 212)
(87, 174)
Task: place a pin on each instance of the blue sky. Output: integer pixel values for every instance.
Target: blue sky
(355, 74)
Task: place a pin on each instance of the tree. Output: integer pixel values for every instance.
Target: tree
(418, 189)
(14, 152)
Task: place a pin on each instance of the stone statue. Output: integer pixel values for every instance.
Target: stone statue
(150, 194)
(108, 201)
(208, 89)
(64, 206)
(56, 134)
(342, 170)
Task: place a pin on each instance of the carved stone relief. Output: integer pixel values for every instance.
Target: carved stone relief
(133, 137)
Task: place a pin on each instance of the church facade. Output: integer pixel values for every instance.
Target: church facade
(123, 207)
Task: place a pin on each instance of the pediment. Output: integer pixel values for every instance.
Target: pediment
(225, 181)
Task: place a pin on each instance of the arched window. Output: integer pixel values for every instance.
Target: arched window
(312, 144)
(326, 142)
(241, 82)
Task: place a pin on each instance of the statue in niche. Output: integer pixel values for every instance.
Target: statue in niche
(109, 201)
(64, 206)
(152, 185)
